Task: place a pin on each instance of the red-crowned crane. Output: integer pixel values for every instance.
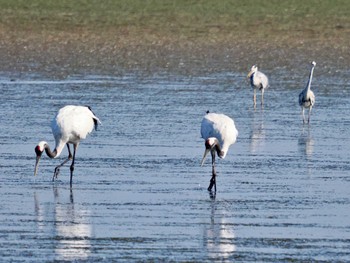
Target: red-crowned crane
(219, 133)
(69, 126)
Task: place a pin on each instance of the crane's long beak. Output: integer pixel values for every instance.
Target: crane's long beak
(36, 164)
(249, 74)
(205, 155)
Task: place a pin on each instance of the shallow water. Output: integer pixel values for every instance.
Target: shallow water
(139, 192)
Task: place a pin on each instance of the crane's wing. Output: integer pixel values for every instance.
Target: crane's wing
(264, 81)
(221, 127)
(73, 123)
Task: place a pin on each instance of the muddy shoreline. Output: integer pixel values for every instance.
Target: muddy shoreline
(58, 54)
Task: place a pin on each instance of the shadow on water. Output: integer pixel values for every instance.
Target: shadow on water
(68, 226)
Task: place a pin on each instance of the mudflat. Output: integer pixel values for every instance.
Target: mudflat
(60, 38)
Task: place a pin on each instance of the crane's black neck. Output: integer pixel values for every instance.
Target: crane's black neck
(49, 153)
(218, 151)
(252, 76)
(215, 147)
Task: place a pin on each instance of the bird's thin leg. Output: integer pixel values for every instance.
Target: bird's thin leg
(308, 119)
(75, 146)
(254, 98)
(57, 169)
(262, 98)
(71, 198)
(302, 114)
(213, 177)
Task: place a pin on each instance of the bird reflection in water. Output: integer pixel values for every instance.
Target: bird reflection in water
(258, 134)
(306, 143)
(218, 235)
(306, 148)
(68, 226)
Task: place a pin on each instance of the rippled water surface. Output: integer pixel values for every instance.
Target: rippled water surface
(139, 192)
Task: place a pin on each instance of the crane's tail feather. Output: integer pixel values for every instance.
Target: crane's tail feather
(95, 119)
(96, 122)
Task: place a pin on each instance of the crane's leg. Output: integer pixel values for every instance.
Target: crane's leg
(254, 98)
(302, 114)
(75, 146)
(213, 177)
(262, 98)
(308, 118)
(57, 169)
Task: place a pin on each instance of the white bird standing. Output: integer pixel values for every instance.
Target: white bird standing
(307, 97)
(70, 125)
(219, 133)
(258, 81)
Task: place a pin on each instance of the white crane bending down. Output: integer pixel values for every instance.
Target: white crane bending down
(258, 80)
(219, 133)
(70, 125)
(307, 97)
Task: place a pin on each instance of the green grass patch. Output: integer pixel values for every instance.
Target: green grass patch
(185, 17)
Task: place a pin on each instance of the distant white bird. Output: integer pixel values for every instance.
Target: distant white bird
(219, 133)
(71, 124)
(307, 97)
(258, 81)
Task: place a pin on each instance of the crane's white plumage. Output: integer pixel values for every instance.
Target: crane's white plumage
(219, 133)
(258, 81)
(221, 127)
(307, 97)
(69, 126)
